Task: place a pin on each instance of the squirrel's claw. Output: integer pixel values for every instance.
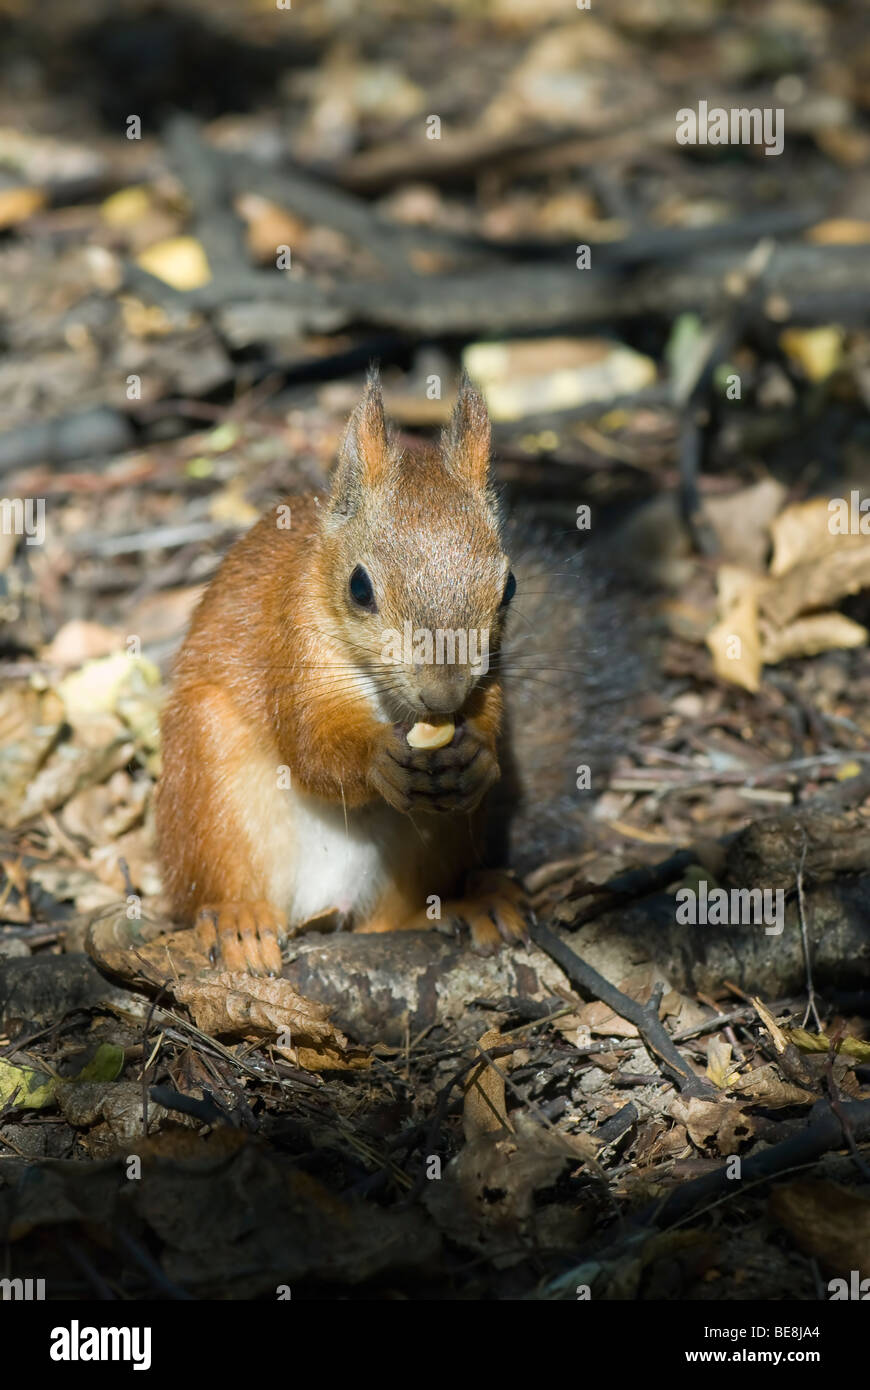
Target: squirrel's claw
(243, 937)
(495, 910)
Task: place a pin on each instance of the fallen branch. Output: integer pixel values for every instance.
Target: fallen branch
(645, 1017)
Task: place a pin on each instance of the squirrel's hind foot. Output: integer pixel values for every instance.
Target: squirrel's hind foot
(495, 910)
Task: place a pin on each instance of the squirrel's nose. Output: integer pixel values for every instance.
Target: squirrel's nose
(443, 691)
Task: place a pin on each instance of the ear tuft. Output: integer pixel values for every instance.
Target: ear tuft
(365, 453)
(466, 442)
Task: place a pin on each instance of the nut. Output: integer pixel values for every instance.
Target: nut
(431, 735)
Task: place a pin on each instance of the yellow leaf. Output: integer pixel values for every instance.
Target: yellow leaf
(720, 1067)
(848, 770)
(840, 231)
(35, 1089)
(17, 204)
(180, 261)
(200, 467)
(99, 686)
(859, 1048)
(818, 351)
(126, 207)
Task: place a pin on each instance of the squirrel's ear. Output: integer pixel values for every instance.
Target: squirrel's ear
(365, 452)
(466, 441)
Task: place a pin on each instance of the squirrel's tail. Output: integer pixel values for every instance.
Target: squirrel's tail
(575, 653)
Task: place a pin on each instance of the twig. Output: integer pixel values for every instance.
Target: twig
(635, 883)
(206, 1109)
(837, 1105)
(644, 1016)
(157, 538)
(811, 993)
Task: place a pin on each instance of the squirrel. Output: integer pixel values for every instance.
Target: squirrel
(290, 793)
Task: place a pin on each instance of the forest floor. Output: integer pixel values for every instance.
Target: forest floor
(631, 1103)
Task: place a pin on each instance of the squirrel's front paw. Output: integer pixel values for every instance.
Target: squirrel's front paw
(245, 937)
(450, 779)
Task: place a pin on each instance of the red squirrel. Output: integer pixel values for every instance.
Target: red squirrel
(289, 789)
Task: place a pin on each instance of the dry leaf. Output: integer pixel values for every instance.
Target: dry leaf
(99, 686)
(269, 226)
(820, 632)
(79, 641)
(601, 1019)
(826, 1221)
(143, 320)
(17, 204)
(802, 534)
(811, 568)
(127, 207)
(484, 1110)
(486, 1197)
(856, 1048)
(231, 506)
(704, 1119)
(39, 772)
(522, 377)
(764, 1086)
(720, 1068)
(818, 351)
(840, 231)
(246, 1006)
(31, 722)
(742, 519)
(819, 583)
(179, 261)
(734, 641)
(238, 1005)
(780, 1041)
(222, 1003)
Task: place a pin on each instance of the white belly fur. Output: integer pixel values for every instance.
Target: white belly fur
(316, 858)
(343, 864)
(317, 861)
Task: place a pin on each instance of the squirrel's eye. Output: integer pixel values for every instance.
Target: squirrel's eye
(361, 591)
(510, 589)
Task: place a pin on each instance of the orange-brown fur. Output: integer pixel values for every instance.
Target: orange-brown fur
(280, 670)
